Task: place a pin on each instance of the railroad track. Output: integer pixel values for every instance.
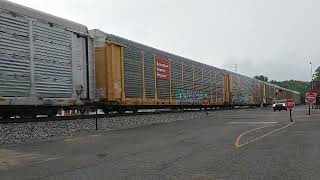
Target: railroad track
(81, 117)
(97, 116)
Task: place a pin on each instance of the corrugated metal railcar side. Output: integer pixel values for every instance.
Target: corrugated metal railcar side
(270, 93)
(274, 92)
(44, 60)
(186, 83)
(243, 90)
(152, 77)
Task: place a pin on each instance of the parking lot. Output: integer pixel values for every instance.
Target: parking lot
(229, 144)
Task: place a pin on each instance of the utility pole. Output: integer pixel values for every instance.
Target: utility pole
(311, 74)
(311, 83)
(236, 68)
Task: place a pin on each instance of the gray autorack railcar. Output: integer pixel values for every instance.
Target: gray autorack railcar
(45, 62)
(130, 75)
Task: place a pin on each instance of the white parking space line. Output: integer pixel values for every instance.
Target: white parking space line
(257, 122)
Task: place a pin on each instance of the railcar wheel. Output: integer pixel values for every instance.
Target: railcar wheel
(121, 110)
(175, 108)
(28, 115)
(135, 110)
(85, 110)
(106, 111)
(2, 117)
(52, 112)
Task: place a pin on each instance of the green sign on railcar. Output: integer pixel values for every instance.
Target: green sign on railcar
(189, 97)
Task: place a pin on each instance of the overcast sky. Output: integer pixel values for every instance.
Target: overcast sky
(277, 38)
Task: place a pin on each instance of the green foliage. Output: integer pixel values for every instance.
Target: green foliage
(300, 86)
(317, 74)
(261, 78)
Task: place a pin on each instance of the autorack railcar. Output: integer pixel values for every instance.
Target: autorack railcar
(45, 62)
(48, 63)
(132, 76)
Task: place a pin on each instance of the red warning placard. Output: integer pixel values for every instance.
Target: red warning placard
(162, 68)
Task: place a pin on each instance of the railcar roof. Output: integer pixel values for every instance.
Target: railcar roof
(32, 13)
(110, 37)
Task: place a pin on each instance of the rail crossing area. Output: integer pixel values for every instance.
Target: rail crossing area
(225, 144)
(49, 64)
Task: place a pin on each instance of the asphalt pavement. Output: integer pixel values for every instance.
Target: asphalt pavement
(229, 144)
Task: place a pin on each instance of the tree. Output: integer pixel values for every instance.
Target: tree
(261, 78)
(300, 86)
(317, 74)
(273, 82)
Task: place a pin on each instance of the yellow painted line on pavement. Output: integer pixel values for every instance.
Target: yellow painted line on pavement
(239, 137)
(253, 140)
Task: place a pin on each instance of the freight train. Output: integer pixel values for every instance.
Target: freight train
(48, 63)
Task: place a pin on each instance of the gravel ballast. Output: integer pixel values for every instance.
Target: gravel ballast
(31, 132)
